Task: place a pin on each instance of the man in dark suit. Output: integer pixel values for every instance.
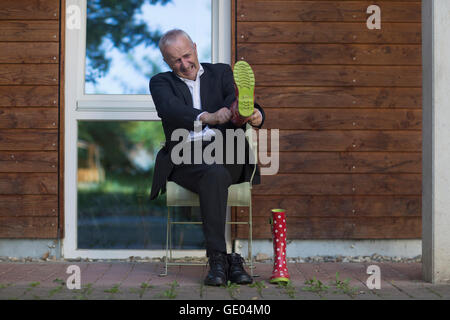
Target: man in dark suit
(201, 92)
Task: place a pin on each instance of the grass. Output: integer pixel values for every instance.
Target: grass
(232, 288)
(289, 289)
(259, 285)
(57, 289)
(143, 287)
(315, 285)
(171, 292)
(84, 292)
(343, 286)
(114, 289)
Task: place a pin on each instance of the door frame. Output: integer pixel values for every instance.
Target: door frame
(79, 106)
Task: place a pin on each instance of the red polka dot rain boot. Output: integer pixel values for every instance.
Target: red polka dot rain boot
(280, 272)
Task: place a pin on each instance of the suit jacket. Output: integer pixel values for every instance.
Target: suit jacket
(173, 103)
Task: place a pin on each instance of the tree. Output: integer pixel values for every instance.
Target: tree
(114, 20)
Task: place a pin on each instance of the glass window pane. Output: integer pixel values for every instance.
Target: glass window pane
(115, 166)
(122, 40)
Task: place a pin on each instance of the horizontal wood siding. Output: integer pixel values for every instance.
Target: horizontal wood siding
(29, 118)
(348, 105)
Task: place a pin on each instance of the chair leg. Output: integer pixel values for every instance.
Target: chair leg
(250, 238)
(167, 244)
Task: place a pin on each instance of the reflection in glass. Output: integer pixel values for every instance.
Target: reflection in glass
(115, 167)
(122, 40)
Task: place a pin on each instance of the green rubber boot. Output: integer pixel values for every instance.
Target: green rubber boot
(245, 87)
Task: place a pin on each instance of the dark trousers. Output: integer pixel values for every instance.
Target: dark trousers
(210, 182)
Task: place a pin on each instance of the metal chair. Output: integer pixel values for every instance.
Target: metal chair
(238, 195)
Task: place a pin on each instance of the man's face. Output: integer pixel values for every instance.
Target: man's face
(182, 58)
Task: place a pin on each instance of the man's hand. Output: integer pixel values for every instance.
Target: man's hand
(221, 116)
(256, 118)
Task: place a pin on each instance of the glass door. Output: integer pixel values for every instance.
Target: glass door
(112, 131)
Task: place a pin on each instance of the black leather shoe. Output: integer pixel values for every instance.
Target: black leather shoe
(218, 268)
(237, 273)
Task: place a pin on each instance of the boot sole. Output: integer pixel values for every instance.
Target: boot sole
(245, 83)
(280, 280)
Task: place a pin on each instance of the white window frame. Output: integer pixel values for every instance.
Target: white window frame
(79, 106)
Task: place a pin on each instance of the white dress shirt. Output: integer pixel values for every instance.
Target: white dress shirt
(194, 88)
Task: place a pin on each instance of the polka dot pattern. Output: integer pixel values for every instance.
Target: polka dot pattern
(279, 245)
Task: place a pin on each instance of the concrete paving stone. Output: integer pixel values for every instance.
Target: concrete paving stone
(398, 281)
(337, 271)
(117, 273)
(18, 273)
(45, 274)
(12, 293)
(191, 275)
(406, 271)
(389, 288)
(4, 270)
(442, 290)
(326, 273)
(359, 272)
(218, 293)
(94, 272)
(141, 273)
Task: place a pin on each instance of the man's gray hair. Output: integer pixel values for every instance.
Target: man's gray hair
(170, 36)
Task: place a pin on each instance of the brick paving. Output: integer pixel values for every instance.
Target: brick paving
(142, 280)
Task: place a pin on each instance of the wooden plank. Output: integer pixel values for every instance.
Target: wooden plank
(29, 139)
(335, 119)
(233, 32)
(345, 11)
(347, 140)
(340, 184)
(28, 183)
(29, 74)
(340, 228)
(28, 118)
(346, 162)
(28, 96)
(328, 32)
(338, 97)
(28, 227)
(25, 30)
(29, 9)
(342, 54)
(28, 161)
(335, 206)
(29, 206)
(330, 75)
(29, 52)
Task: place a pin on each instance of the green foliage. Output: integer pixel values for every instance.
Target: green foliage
(114, 21)
(84, 292)
(289, 288)
(113, 290)
(116, 140)
(171, 292)
(259, 285)
(344, 286)
(315, 285)
(232, 288)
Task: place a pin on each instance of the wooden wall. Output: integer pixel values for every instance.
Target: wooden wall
(347, 101)
(29, 118)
